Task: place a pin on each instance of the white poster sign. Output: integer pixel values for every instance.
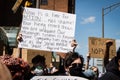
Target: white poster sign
(47, 30)
(57, 78)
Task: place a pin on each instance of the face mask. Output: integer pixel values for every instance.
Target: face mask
(76, 69)
(38, 71)
(90, 73)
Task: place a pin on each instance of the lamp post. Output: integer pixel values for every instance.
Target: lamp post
(102, 22)
(103, 14)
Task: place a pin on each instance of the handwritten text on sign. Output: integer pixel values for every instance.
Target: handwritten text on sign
(47, 30)
(57, 78)
(97, 47)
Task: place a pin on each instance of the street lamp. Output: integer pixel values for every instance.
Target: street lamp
(103, 14)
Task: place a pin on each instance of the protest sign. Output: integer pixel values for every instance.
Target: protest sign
(47, 30)
(97, 47)
(57, 78)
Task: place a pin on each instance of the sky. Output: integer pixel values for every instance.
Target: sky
(89, 22)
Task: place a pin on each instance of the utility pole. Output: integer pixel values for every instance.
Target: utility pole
(102, 22)
(109, 8)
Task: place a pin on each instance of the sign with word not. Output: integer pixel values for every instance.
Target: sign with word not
(47, 30)
(97, 47)
(57, 78)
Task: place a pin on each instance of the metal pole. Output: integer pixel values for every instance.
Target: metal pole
(102, 32)
(102, 22)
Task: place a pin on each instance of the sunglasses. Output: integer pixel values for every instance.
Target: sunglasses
(76, 64)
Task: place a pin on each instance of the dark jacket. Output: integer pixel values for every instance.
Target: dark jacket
(109, 76)
(112, 72)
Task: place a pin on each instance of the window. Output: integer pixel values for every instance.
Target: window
(44, 2)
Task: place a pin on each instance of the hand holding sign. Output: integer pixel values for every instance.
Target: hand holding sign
(19, 38)
(74, 43)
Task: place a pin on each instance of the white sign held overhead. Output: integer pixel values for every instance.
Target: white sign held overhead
(58, 78)
(47, 30)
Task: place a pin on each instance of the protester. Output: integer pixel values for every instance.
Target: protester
(61, 70)
(91, 73)
(39, 66)
(74, 64)
(52, 68)
(71, 63)
(19, 39)
(73, 45)
(18, 68)
(113, 66)
(4, 72)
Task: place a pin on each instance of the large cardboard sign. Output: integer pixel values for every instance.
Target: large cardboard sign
(97, 47)
(47, 30)
(57, 78)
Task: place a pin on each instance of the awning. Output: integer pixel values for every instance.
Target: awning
(9, 34)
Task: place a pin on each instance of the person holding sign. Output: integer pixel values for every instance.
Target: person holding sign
(113, 66)
(92, 72)
(74, 64)
(73, 45)
(62, 70)
(19, 39)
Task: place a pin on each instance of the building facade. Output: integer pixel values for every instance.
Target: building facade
(9, 18)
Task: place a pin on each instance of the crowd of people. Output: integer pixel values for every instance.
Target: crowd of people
(71, 64)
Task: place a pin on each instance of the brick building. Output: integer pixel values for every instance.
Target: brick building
(8, 18)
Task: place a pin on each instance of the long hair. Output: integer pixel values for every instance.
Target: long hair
(71, 56)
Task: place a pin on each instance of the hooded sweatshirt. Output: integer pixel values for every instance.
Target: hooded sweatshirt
(112, 72)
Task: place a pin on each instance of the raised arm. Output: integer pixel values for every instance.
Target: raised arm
(74, 44)
(87, 61)
(19, 39)
(107, 54)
